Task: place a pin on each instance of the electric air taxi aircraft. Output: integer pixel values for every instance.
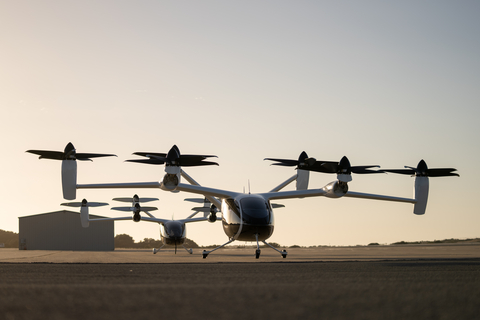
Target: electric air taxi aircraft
(172, 232)
(249, 217)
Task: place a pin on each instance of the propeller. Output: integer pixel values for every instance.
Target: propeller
(303, 162)
(135, 199)
(423, 171)
(69, 153)
(344, 167)
(197, 200)
(136, 208)
(174, 158)
(312, 164)
(84, 203)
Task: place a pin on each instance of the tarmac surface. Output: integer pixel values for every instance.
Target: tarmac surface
(384, 282)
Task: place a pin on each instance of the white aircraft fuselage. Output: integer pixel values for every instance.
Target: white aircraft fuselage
(173, 232)
(247, 217)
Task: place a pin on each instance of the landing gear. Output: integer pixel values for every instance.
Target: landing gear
(188, 250)
(205, 253)
(156, 250)
(257, 252)
(283, 252)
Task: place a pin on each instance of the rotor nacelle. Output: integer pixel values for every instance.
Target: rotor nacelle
(336, 189)
(170, 180)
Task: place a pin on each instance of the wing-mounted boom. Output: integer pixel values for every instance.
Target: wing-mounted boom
(421, 173)
(84, 214)
(69, 166)
(173, 161)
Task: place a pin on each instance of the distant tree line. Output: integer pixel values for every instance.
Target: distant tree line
(9, 238)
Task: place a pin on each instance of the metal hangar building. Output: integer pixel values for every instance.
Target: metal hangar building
(62, 230)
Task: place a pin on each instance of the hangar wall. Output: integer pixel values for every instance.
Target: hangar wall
(62, 230)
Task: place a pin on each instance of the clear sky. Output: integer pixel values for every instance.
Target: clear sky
(382, 82)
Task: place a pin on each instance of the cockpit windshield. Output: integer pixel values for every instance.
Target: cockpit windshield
(174, 229)
(255, 210)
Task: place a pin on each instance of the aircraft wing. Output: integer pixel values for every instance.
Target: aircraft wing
(223, 194)
(110, 219)
(293, 194)
(321, 192)
(133, 185)
(157, 220)
(360, 195)
(193, 220)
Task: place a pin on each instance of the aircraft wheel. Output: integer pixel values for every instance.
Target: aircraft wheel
(257, 254)
(284, 254)
(205, 254)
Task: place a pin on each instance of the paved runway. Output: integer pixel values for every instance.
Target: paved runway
(360, 253)
(441, 285)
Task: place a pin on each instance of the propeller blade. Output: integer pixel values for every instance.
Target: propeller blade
(197, 155)
(197, 200)
(442, 172)
(201, 163)
(148, 208)
(364, 169)
(131, 200)
(72, 204)
(283, 162)
(97, 204)
(87, 156)
(277, 205)
(329, 167)
(151, 154)
(123, 199)
(89, 204)
(400, 171)
(147, 199)
(128, 209)
(45, 154)
(321, 166)
(194, 160)
(147, 161)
